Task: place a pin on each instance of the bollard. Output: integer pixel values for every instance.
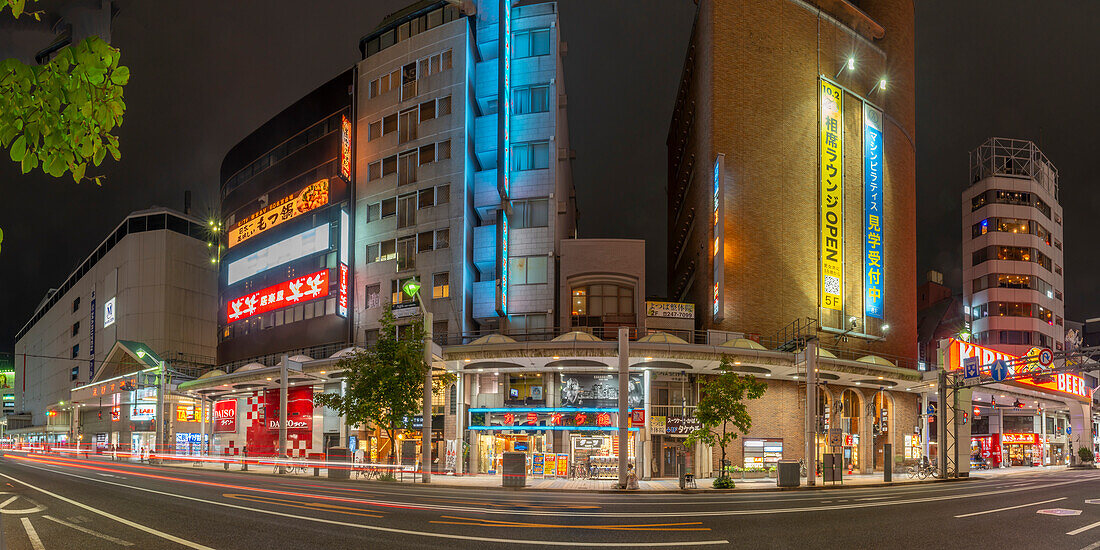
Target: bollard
(887, 462)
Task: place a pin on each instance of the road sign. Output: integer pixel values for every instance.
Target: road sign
(931, 409)
(970, 368)
(999, 370)
(1046, 357)
(1069, 430)
(836, 437)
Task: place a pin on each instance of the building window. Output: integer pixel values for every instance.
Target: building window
(374, 295)
(527, 324)
(374, 130)
(75, 351)
(441, 286)
(443, 150)
(76, 303)
(531, 99)
(425, 198)
(370, 337)
(443, 194)
(529, 213)
(74, 373)
(427, 154)
(389, 207)
(531, 156)
(389, 165)
(406, 172)
(424, 241)
(406, 253)
(396, 294)
(444, 106)
(602, 305)
(442, 239)
(374, 170)
(531, 43)
(427, 110)
(530, 270)
(76, 328)
(374, 212)
(406, 211)
(407, 124)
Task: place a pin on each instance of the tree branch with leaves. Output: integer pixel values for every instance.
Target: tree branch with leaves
(721, 405)
(385, 383)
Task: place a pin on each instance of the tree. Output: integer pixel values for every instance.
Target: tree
(722, 404)
(385, 383)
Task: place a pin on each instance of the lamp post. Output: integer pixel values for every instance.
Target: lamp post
(412, 289)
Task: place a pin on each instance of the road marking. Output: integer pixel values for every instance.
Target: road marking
(1093, 501)
(315, 506)
(1008, 508)
(36, 542)
(1060, 512)
(474, 522)
(871, 498)
(385, 529)
(1086, 528)
(1092, 546)
(89, 531)
(4, 506)
(109, 515)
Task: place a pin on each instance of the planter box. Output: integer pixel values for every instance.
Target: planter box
(755, 475)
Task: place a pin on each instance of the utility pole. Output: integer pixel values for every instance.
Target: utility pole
(282, 413)
(811, 410)
(624, 389)
(414, 289)
(162, 416)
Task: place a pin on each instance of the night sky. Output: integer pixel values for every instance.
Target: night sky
(206, 73)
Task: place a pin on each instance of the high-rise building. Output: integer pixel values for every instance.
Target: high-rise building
(791, 180)
(462, 177)
(1012, 248)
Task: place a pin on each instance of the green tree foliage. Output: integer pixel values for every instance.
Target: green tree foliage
(723, 403)
(385, 384)
(59, 116)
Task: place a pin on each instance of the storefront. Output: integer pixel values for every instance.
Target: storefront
(1021, 449)
(668, 435)
(987, 449)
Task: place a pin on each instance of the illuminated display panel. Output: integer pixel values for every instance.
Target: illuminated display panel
(345, 148)
(345, 228)
(718, 236)
(287, 250)
(873, 252)
(1063, 383)
(315, 195)
(294, 291)
(831, 238)
(504, 160)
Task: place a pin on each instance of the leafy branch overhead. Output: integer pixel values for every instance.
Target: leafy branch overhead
(59, 116)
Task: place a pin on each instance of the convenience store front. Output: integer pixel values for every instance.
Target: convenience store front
(558, 442)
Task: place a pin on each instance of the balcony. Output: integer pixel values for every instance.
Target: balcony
(485, 299)
(485, 249)
(486, 196)
(485, 141)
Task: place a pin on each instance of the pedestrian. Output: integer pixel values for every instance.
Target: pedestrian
(631, 477)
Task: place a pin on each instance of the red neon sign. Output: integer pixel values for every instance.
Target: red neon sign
(1027, 439)
(603, 419)
(555, 419)
(343, 290)
(580, 419)
(284, 294)
(509, 419)
(345, 148)
(225, 416)
(532, 418)
(1066, 383)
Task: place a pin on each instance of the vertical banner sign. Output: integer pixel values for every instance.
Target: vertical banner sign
(831, 239)
(345, 148)
(717, 235)
(91, 339)
(873, 260)
(342, 305)
(504, 151)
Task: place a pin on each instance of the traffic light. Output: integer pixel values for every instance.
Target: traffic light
(1018, 404)
(966, 416)
(931, 418)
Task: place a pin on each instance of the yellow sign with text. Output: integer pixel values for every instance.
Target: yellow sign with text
(313, 196)
(831, 239)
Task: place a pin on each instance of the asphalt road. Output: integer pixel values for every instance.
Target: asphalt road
(51, 502)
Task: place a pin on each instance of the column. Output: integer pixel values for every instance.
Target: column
(1080, 420)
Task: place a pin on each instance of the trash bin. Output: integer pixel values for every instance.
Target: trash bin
(513, 469)
(787, 473)
(340, 455)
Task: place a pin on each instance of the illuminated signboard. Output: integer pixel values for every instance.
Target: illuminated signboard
(109, 313)
(345, 228)
(294, 291)
(831, 237)
(142, 412)
(718, 236)
(1064, 383)
(504, 151)
(670, 310)
(188, 413)
(225, 416)
(287, 250)
(313, 196)
(1027, 439)
(873, 252)
(502, 262)
(345, 148)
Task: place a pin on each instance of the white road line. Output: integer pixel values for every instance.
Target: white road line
(1008, 508)
(36, 542)
(391, 529)
(1086, 528)
(89, 531)
(1092, 546)
(871, 498)
(7, 502)
(109, 515)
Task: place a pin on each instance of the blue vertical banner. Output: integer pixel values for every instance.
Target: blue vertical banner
(873, 253)
(504, 151)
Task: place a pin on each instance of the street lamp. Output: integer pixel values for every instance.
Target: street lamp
(412, 289)
(850, 64)
(881, 86)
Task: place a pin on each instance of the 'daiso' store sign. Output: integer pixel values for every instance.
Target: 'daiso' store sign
(1062, 383)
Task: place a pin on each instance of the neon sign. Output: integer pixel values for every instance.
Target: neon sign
(873, 251)
(345, 148)
(504, 155)
(1067, 383)
(718, 235)
(315, 195)
(284, 294)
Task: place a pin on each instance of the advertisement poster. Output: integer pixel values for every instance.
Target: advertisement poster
(599, 390)
(299, 410)
(563, 465)
(225, 416)
(873, 252)
(831, 237)
(313, 196)
(288, 293)
(550, 464)
(537, 464)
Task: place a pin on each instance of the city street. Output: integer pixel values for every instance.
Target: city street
(56, 502)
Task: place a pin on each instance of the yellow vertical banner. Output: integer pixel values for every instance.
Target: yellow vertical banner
(831, 239)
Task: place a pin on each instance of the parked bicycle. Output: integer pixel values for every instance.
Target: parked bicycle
(923, 470)
(290, 467)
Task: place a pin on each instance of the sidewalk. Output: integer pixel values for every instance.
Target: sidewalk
(665, 485)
